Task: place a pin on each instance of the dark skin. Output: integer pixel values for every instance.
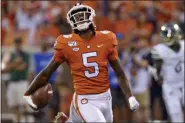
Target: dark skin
(43, 77)
(158, 62)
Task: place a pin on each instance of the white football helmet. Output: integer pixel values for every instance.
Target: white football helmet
(80, 17)
(170, 33)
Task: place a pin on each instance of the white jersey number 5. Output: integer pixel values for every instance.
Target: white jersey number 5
(85, 56)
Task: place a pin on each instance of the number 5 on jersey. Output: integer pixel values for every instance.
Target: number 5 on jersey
(85, 57)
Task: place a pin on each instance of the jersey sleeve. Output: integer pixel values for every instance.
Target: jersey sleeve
(113, 53)
(155, 54)
(58, 50)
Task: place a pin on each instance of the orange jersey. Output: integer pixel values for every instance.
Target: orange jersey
(88, 60)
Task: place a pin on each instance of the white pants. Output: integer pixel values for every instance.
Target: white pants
(174, 100)
(91, 108)
(15, 92)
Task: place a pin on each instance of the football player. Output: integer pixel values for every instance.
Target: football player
(169, 63)
(87, 53)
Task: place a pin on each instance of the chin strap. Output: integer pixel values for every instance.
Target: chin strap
(83, 27)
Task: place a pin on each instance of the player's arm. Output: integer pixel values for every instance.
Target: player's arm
(157, 64)
(40, 80)
(123, 81)
(124, 84)
(115, 64)
(43, 77)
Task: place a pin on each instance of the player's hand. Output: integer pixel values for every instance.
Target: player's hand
(61, 117)
(133, 103)
(30, 102)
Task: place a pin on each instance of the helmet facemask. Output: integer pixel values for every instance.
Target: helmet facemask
(170, 34)
(80, 17)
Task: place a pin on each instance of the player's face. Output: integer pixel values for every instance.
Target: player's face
(170, 34)
(81, 17)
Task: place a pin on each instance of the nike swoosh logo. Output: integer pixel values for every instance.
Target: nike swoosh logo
(100, 45)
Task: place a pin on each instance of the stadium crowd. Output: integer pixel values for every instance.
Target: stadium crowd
(32, 27)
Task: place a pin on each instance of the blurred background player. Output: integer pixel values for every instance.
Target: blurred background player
(17, 66)
(135, 65)
(38, 61)
(155, 85)
(169, 63)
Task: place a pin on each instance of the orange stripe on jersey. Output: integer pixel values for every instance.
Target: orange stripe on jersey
(77, 108)
(74, 106)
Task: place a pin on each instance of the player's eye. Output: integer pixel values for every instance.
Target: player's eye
(87, 15)
(79, 17)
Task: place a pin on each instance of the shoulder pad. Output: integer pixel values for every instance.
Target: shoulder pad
(112, 37)
(59, 41)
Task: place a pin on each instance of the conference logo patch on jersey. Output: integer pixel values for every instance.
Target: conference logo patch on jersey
(76, 49)
(84, 101)
(67, 36)
(105, 32)
(72, 43)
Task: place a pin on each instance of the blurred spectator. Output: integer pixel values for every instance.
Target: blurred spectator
(38, 62)
(125, 22)
(164, 10)
(17, 67)
(140, 79)
(135, 68)
(28, 18)
(48, 31)
(180, 14)
(102, 21)
(144, 28)
(4, 28)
